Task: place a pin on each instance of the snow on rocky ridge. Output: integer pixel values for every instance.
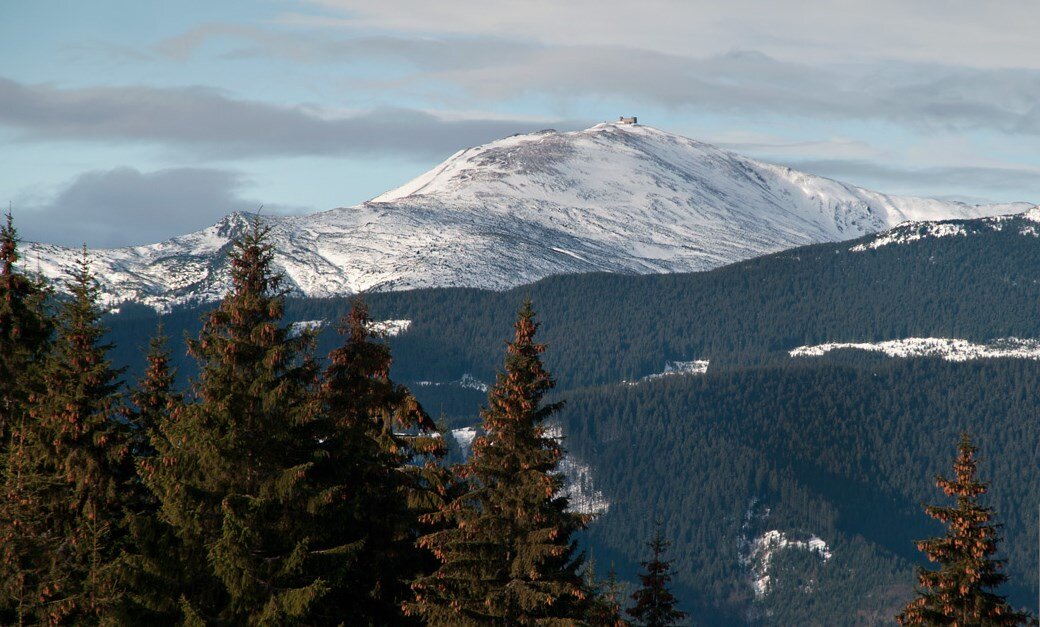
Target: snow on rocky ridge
(944, 348)
(617, 198)
(1025, 223)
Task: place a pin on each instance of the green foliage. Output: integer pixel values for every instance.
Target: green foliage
(233, 467)
(604, 598)
(292, 494)
(25, 331)
(66, 469)
(380, 457)
(155, 561)
(507, 552)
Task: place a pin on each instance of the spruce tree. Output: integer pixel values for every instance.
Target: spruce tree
(154, 397)
(605, 598)
(382, 449)
(154, 560)
(655, 603)
(25, 334)
(25, 331)
(507, 553)
(242, 470)
(67, 467)
(961, 590)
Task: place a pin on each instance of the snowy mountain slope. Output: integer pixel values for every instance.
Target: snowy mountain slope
(617, 198)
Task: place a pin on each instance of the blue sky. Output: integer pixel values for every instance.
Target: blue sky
(129, 122)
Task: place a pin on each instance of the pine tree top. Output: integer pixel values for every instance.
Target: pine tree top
(25, 324)
(962, 590)
(655, 603)
(507, 548)
(8, 245)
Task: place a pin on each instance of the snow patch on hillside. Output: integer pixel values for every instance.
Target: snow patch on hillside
(757, 553)
(466, 381)
(384, 328)
(944, 348)
(464, 438)
(578, 482)
(296, 328)
(580, 487)
(763, 549)
(674, 368)
(389, 328)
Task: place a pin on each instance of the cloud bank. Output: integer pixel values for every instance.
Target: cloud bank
(123, 206)
(918, 95)
(209, 123)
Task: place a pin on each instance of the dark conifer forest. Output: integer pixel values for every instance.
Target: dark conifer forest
(221, 465)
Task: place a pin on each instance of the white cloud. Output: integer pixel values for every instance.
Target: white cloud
(501, 70)
(962, 32)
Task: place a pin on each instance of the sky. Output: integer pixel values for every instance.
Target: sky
(128, 122)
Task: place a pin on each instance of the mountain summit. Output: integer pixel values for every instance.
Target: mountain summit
(614, 197)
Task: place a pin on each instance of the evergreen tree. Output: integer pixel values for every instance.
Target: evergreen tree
(961, 591)
(25, 331)
(382, 449)
(655, 604)
(154, 397)
(605, 598)
(155, 560)
(243, 472)
(67, 467)
(507, 553)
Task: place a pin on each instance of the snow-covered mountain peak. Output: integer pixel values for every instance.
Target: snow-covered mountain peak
(615, 197)
(601, 160)
(616, 168)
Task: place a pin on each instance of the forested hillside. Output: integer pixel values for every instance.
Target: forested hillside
(843, 453)
(838, 449)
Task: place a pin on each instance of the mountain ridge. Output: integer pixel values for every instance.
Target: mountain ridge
(615, 198)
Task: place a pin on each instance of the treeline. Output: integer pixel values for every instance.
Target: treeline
(279, 491)
(617, 327)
